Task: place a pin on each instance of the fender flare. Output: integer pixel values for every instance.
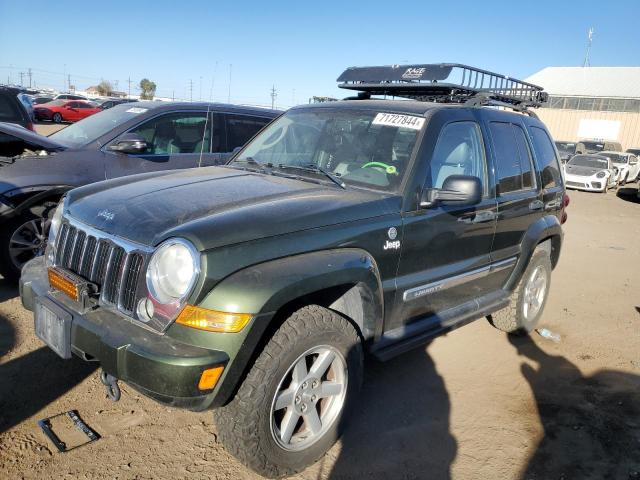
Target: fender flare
(545, 232)
(267, 287)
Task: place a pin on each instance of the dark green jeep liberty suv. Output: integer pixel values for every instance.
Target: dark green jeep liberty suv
(363, 225)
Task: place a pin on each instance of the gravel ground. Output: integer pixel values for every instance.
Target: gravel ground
(474, 404)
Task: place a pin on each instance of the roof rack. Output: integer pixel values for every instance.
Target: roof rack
(443, 82)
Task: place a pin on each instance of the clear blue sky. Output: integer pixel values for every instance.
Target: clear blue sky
(298, 45)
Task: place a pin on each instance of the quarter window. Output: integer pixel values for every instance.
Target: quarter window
(546, 157)
(459, 151)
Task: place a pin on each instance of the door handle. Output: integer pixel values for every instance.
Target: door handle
(536, 205)
(478, 217)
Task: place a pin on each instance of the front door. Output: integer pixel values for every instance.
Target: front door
(446, 249)
(175, 140)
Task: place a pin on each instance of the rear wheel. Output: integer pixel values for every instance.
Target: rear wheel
(288, 411)
(527, 301)
(57, 117)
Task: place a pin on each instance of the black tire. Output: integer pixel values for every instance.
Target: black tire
(512, 319)
(57, 118)
(624, 181)
(40, 214)
(245, 424)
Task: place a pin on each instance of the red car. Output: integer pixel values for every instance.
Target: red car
(65, 110)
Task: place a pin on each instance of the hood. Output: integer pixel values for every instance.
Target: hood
(582, 171)
(30, 140)
(219, 206)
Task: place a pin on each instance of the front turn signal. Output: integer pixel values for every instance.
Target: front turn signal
(209, 378)
(213, 320)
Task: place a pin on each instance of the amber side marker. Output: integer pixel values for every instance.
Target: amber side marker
(213, 320)
(63, 284)
(210, 377)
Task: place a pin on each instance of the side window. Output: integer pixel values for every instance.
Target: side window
(240, 129)
(546, 157)
(8, 111)
(459, 151)
(526, 160)
(514, 163)
(175, 133)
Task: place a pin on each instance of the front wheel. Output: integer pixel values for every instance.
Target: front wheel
(527, 301)
(289, 410)
(57, 118)
(22, 239)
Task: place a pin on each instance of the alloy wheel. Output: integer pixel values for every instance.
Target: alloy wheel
(534, 292)
(29, 240)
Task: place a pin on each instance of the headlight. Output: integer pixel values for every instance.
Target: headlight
(54, 230)
(173, 270)
(601, 174)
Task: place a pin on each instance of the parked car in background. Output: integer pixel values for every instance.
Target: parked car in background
(594, 173)
(596, 146)
(12, 108)
(626, 164)
(37, 100)
(59, 111)
(635, 151)
(69, 96)
(131, 138)
(566, 150)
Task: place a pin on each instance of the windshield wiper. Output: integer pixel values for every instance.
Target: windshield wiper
(316, 169)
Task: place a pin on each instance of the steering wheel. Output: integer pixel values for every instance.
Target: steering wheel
(390, 169)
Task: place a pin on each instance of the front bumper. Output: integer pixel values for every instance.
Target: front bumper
(590, 184)
(157, 365)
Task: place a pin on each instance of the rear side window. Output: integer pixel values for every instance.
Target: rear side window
(546, 156)
(513, 157)
(240, 129)
(8, 111)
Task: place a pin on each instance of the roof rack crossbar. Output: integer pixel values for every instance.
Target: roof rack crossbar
(446, 82)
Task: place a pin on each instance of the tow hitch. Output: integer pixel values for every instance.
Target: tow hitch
(111, 385)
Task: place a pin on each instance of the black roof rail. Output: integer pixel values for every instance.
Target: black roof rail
(445, 83)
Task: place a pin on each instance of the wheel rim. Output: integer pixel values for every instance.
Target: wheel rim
(28, 241)
(56, 118)
(309, 398)
(534, 292)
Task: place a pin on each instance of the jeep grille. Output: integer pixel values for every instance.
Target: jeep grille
(114, 265)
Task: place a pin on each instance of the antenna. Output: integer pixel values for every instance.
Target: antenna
(587, 60)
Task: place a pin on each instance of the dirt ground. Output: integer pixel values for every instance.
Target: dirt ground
(474, 404)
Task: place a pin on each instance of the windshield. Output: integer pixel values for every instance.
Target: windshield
(593, 146)
(93, 127)
(566, 147)
(592, 162)
(358, 147)
(617, 158)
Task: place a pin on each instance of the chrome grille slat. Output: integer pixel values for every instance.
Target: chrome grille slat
(114, 265)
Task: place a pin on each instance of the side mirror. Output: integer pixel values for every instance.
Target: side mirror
(129, 143)
(456, 190)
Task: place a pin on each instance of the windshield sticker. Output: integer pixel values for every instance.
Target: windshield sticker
(136, 110)
(396, 120)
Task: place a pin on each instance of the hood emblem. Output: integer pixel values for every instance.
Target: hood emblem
(106, 214)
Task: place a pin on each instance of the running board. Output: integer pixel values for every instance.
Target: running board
(419, 332)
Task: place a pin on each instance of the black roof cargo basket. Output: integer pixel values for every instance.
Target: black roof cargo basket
(443, 82)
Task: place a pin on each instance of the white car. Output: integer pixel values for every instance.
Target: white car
(627, 165)
(594, 173)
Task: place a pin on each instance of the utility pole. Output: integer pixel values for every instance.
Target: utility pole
(191, 90)
(129, 82)
(587, 59)
(22, 79)
(69, 81)
(229, 96)
(274, 94)
(64, 78)
(29, 73)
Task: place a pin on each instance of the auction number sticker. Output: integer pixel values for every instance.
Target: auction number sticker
(136, 110)
(397, 120)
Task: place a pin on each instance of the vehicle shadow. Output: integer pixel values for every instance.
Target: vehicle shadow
(8, 289)
(591, 423)
(400, 427)
(34, 380)
(628, 194)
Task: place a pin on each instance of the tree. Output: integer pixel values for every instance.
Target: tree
(147, 89)
(104, 88)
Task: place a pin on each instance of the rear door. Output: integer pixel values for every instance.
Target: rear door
(517, 191)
